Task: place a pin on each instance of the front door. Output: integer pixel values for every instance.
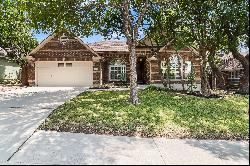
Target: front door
(141, 70)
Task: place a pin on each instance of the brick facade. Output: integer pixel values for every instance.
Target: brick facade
(74, 50)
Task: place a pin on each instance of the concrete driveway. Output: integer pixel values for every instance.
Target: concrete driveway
(23, 110)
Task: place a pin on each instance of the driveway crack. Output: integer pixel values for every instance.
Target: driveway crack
(159, 152)
(20, 147)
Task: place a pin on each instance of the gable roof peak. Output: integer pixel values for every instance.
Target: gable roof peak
(54, 35)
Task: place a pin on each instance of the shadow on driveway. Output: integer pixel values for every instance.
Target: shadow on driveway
(23, 110)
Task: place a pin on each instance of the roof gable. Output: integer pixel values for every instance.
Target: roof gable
(52, 44)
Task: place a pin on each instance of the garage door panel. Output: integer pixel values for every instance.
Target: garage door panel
(49, 74)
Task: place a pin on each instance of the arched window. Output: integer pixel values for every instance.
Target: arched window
(117, 70)
(175, 67)
(178, 69)
(187, 68)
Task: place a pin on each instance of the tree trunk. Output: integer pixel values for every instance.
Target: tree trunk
(244, 79)
(216, 71)
(182, 72)
(219, 75)
(133, 76)
(205, 88)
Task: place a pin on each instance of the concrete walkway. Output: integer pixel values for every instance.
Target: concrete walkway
(46, 147)
(23, 110)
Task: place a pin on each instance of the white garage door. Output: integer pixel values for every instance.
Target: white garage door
(73, 74)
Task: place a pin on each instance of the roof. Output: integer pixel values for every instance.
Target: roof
(230, 63)
(41, 44)
(110, 45)
(50, 37)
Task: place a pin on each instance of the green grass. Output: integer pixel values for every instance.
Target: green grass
(160, 113)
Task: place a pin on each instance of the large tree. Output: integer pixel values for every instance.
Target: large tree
(125, 18)
(83, 17)
(234, 17)
(187, 23)
(15, 32)
(207, 26)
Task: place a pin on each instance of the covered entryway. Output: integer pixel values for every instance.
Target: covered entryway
(64, 73)
(141, 70)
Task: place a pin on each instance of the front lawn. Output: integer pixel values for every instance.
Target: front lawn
(160, 113)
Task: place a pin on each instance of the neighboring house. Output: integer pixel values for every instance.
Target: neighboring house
(64, 60)
(232, 69)
(8, 70)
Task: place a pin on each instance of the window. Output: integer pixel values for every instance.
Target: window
(68, 64)
(234, 75)
(187, 68)
(60, 64)
(176, 68)
(117, 72)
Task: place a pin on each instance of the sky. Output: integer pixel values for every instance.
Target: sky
(95, 38)
(92, 39)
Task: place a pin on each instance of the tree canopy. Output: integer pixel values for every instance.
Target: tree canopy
(208, 26)
(15, 30)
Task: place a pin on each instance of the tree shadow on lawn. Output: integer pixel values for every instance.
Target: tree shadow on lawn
(212, 118)
(110, 113)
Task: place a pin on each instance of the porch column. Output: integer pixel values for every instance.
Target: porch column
(152, 60)
(97, 71)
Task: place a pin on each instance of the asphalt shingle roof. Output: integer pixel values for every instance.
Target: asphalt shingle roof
(230, 63)
(110, 45)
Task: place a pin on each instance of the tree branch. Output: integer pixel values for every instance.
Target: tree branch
(127, 21)
(140, 19)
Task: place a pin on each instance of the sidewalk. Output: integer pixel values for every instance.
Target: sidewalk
(46, 147)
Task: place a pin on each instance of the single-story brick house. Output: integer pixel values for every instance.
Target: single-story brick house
(65, 60)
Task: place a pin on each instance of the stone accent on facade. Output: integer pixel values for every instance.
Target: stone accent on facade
(97, 71)
(74, 50)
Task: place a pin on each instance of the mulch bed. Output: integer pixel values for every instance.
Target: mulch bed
(169, 133)
(198, 94)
